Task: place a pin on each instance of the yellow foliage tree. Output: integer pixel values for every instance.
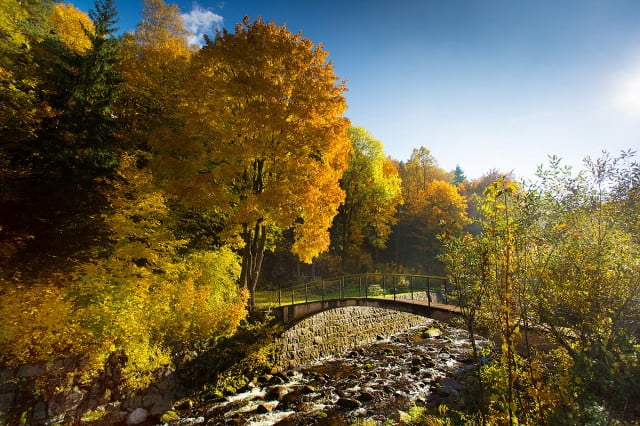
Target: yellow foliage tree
(155, 65)
(71, 26)
(443, 209)
(264, 142)
(373, 193)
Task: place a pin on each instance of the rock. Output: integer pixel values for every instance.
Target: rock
(282, 376)
(307, 389)
(264, 408)
(30, 370)
(40, 412)
(277, 380)
(276, 393)
(158, 404)
(450, 394)
(137, 416)
(6, 374)
(190, 421)
(291, 398)
(264, 378)
(348, 403)
(432, 332)
(450, 383)
(6, 401)
(185, 404)
(365, 397)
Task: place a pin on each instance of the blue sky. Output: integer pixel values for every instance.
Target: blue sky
(481, 83)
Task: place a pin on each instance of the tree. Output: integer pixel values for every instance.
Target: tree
(72, 27)
(155, 66)
(429, 199)
(561, 257)
(264, 141)
(373, 192)
(458, 175)
(23, 24)
(421, 169)
(51, 164)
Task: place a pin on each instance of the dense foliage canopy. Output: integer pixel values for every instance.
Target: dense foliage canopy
(150, 189)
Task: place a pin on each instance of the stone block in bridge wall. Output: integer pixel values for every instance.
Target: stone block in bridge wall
(332, 332)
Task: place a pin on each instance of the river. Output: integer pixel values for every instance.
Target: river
(374, 382)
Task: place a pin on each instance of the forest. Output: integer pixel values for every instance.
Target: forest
(150, 188)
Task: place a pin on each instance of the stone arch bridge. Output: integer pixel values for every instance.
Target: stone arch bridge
(327, 317)
(290, 315)
(425, 295)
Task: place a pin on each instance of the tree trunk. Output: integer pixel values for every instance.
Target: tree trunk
(252, 256)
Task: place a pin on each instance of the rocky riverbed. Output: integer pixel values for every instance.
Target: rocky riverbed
(421, 366)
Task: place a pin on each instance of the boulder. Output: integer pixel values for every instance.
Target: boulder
(276, 393)
(365, 397)
(264, 408)
(348, 403)
(137, 416)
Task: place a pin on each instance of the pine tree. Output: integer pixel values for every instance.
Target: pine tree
(458, 175)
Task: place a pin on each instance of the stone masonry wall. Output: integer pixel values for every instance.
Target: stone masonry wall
(334, 331)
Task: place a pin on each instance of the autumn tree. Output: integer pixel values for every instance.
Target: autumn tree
(433, 206)
(155, 64)
(23, 24)
(264, 141)
(558, 256)
(72, 27)
(373, 192)
(52, 164)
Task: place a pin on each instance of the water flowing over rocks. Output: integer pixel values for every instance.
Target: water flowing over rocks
(372, 381)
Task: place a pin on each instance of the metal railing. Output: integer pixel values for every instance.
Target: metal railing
(426, 288)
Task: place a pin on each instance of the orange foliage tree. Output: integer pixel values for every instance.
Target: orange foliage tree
(264, 142)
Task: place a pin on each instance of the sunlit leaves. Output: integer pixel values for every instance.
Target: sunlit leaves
(71, 26)
(373, 192)
(264, 139)
(561, 255)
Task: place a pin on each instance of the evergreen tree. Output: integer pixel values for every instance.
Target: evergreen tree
(97, 91)
(458, 175)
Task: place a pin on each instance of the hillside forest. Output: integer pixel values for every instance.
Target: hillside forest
(150, 188)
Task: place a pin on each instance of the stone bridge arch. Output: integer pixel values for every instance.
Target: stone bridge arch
(323, 328)
(290, 315)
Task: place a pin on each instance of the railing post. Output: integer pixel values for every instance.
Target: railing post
(293, 302)
(306, 293)
(322, 281)
(384, 286)
(279, 296)
(411, 285)
(341, 292)
(393, 279)
(446, 301)
(428, 292)
(359, 286)
(366, 288)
